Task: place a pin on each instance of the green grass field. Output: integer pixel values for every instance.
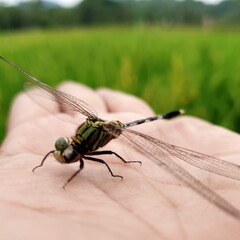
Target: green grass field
(194, 69)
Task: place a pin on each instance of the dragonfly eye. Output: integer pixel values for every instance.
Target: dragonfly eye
(61, 144)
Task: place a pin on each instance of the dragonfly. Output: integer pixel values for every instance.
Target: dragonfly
(95, 133)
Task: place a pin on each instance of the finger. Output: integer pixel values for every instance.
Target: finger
(24, 109)
(120, 102)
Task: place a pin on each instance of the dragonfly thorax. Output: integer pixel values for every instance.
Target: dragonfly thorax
(93, 134)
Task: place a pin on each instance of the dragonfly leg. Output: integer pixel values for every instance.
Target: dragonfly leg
(103, 162)
(42, 161)
(76, 173)
(118, 156)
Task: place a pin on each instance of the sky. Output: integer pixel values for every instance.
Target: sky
(70, 3)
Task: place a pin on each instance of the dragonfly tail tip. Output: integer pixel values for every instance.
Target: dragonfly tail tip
(182, 111)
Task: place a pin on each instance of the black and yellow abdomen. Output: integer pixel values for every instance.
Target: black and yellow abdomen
(92, 135)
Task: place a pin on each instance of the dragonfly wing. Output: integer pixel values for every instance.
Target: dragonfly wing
(64, 102)
(202, 161)
(156, 151)
(197, 159)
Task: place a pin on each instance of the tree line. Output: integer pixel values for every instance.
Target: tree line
(45, 14)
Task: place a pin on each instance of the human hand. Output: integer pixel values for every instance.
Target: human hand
(148, 203)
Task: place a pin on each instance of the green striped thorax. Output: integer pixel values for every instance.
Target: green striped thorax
(91, 135)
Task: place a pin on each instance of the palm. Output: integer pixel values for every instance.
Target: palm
(147, 203)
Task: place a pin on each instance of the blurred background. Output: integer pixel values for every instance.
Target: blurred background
(173, 54)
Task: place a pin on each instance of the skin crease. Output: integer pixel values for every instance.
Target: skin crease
(147, 203)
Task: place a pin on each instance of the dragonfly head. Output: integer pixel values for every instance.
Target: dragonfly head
(65, 152)
(61, 145)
